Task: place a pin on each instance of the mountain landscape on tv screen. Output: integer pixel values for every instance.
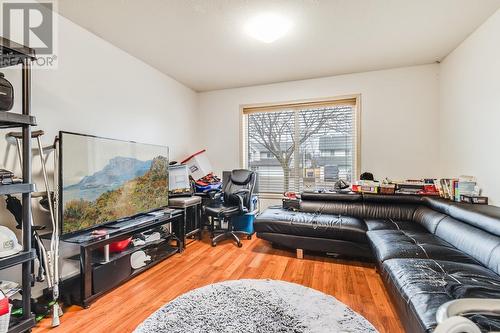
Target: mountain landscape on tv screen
(113, 175)
(124, 187)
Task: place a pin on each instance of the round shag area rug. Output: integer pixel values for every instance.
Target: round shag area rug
(265, 306)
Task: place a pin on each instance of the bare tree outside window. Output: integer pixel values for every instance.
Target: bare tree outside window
(296, 140)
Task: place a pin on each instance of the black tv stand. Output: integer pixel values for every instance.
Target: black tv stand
(139, 219)
(129, 222)
(98, 276)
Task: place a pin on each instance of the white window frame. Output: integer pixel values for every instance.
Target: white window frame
(329, 100)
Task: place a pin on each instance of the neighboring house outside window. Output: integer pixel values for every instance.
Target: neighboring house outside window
(340, 152)
(313, 141)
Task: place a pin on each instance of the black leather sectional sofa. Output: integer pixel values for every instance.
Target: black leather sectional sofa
(429, 251)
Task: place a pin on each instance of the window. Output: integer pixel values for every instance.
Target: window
(339, 152)
(265, 154)
(316, 142)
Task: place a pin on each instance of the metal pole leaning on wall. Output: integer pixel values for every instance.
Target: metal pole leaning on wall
(26, 201)
(56, 309)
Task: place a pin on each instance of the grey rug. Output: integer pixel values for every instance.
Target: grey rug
(265, 306)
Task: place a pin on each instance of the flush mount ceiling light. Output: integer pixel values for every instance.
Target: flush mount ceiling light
(267, 27)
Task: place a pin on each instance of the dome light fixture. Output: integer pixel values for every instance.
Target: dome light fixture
(268, 27)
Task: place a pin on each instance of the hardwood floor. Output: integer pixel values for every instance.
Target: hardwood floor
(355, 284)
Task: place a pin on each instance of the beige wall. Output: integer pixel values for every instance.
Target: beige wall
(101, 90)
(399, 118)
(470, 109)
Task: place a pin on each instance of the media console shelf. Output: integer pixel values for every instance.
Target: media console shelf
(98, 276)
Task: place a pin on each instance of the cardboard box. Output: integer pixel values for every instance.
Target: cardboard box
(198, 164)
(387, 189)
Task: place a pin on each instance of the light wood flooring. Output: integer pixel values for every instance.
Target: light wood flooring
(356, 284)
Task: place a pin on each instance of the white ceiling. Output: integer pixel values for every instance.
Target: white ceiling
(201, 43)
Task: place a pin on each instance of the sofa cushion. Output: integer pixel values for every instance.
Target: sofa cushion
(393, 198)
(345, 208)
(479, 244)
(395, 211)
(428, 218)
(282, 221)
(485, 217)
(331, 196)
(391, 224)
(390, 244)
(424, 285)
(365, 210)
(183, 202)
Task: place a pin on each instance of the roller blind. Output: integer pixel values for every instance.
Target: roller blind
(300, 146)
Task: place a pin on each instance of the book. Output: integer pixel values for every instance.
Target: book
(467, 185)
(454, 188)
(437, 184)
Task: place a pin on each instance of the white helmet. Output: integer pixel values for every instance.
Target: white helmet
(8, 242)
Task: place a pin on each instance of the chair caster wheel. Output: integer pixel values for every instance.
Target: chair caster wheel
(214, 244)
(249, 237)
(240, 244)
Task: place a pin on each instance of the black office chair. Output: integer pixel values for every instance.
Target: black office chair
(235, 199)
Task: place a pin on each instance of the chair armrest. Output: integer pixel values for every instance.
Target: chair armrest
(214, 194)
(463, 306)
(239, 194)
(449, 314)
(457, 324)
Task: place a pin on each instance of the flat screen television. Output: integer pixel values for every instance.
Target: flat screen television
(104, 180)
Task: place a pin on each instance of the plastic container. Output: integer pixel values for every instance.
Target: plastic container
(118, 246)
(244, 223)
(178, 180)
